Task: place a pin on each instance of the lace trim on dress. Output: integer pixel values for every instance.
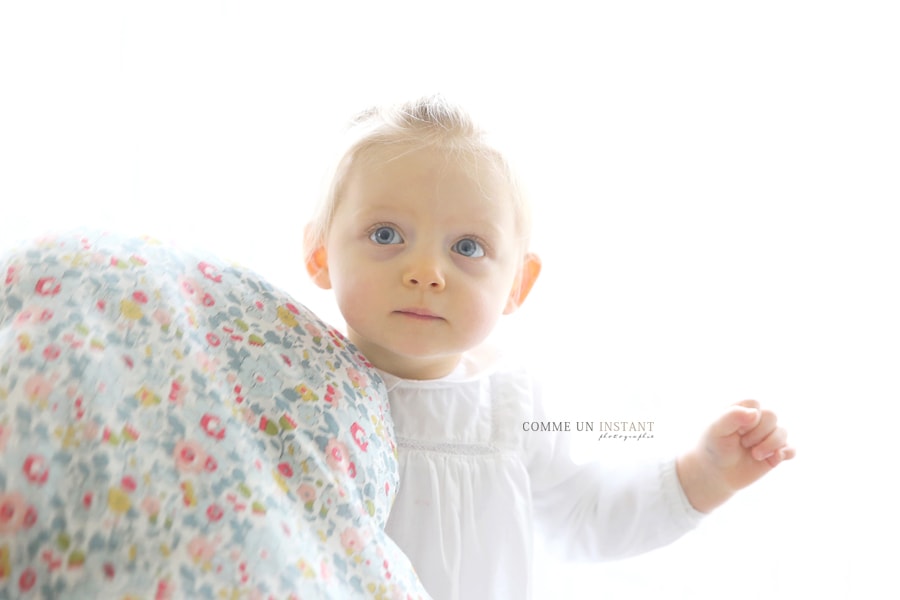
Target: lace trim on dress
(447, 448)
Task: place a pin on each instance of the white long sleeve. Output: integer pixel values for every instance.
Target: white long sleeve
(590, 512)
(473, 484)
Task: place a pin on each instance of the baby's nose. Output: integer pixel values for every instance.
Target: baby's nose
(424, 274)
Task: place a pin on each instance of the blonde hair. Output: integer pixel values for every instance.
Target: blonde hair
(430, 121)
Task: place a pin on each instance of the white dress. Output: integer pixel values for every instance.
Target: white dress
(474, 485)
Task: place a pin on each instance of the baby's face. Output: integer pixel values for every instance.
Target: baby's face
(422, 256)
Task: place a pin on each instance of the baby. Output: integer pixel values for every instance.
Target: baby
(423, 237)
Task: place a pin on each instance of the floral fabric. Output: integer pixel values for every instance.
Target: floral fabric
(172, 426)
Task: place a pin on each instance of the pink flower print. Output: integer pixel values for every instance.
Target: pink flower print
(72, 341)
(359, 436)
(177, 392)
(5, 434)
(213, 339)
(325, 570)
(313, 330)
(27, 579)
(306, 492)
(164, 590)
(351, 540)
(129, 433)
(338, 458)
(188, 288)
(210, 465)
(201, 550)
(336, 338)
(332, 395)
(90, 431)
(212, 425)
(151, 505)
(214, 513)
(38, 388)
(285, 469)
(191, 290)
(12, 275)
(51, 352)
(15, 513)
(35, 469)
(207, 363)
(47, 286)
(210, 272)
(52, 560)
(356, 378)
(162, 317)
(129, 484)
(34, 315)
(140, 297)
(189, 456)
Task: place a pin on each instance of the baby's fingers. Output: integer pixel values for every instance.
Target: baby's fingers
(783, 454)
(769, 446)
(764, 427)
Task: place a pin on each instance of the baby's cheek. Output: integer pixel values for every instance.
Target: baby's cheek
(357, 298)
(483, 316)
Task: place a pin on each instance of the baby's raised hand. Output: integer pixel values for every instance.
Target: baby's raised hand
(741, 446)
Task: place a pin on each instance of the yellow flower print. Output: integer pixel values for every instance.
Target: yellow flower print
(130, 309)
(287, 317)
(4, 562)
(24, 342)
(118, 501)
(146, 396)
(306, 394)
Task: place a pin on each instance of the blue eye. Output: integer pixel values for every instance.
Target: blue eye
(385, 235)
(469, 248)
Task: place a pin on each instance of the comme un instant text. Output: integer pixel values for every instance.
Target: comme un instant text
(600, 426)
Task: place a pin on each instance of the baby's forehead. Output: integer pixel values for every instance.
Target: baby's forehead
(477, 161)
(382, 173)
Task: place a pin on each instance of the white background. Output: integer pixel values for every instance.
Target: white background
(716, 187)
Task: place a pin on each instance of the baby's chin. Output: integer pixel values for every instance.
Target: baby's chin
(416, 365)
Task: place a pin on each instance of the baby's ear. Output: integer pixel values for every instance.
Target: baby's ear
(316, 258)
(528, 274)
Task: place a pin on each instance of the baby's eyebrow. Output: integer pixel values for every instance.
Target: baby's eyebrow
(371, 211)
(483, 227)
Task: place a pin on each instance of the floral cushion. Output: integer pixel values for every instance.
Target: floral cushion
(172, 426)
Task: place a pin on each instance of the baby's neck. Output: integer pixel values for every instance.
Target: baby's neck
(405, 367)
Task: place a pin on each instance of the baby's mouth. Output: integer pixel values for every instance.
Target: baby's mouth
(419, 314)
